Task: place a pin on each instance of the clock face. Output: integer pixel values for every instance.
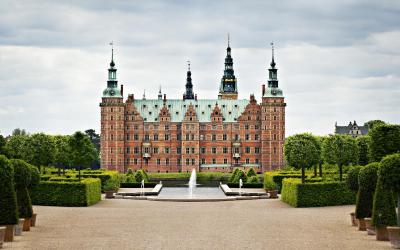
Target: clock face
(229, 87)
(112, 92)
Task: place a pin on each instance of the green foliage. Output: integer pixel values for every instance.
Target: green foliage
(141, 175)
(302, 151)
(363, 149)
(8, 197)
(62, 152)
(62, 193)
(2, 145)
(129, 172)
(316, 194)
(253, 179)
(111, 185)
(384, 208)
(367, 179)
(390, 172)
(104, 176)
(40, 149)
(22, 178)
(251, 172)
(240, 175)
(35, 176)
(234, 173)
(273, 180)
(83, 151)
(340, 150)
(16, 147)
(385, 140)
(352, 178)
(374, 123)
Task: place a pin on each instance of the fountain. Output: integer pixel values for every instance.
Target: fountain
(240, 186)
(142, 188)
(192, 182)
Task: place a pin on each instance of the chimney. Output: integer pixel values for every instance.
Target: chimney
(122, 90)
(263, 89)
(195, 97)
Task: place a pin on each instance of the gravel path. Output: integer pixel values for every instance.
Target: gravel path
(134, 224)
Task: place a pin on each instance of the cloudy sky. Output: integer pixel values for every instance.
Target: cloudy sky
(338, 60)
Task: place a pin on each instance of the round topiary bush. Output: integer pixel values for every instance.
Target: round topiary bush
(8, 197)
(251, 172)
(234, 173)
(253, 179)
(367, 179)
(240, 175)
(141, 175)
(352, 178)
(384, 208)
(22, 177)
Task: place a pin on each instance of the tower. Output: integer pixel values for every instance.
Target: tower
(228, 86)
(273, 121)
(189, 86)
(112, 122)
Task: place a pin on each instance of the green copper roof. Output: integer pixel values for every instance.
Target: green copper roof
(231, 109)
(112, 92)
(273, 92)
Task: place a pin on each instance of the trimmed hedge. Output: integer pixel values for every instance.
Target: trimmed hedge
(384, 208)
(8, 197)
(245, 185)
(251, 172)
(367, 178)
(253, 179)
(352, 178)
(273, 180)
(22, 178)
(240, 175)
(234, 173)
(104, 176)
(318, 194)
(70, 194)
(137, 185)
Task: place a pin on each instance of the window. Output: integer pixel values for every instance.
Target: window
(156, 137)
(214, 137)
(166, 137)
(257, 150)
(236, 150)
(193, 161)
(192, 137)
(187, 137)
(136, 150)
(187, 150)
(247, 137)
(179, 150)
(256, 137)
(155, 150)
(274, 117)
(193, 151)
(214, 161)
(214, 150)
(187, 161)
(187, 126)
(247, 150)
(247, 161)
(136, 137)
(224, 137)
(127, 137)
(136, 127)
(127, 150)
(158, 161)
(203, 150)
(203, 161)
(246, 126)
(167, 150)
(166, 127)
(167, 161)
(135, 161)
(225, 150)
(257, 161)
(112, 137)
(178, 161)
(274, 150)
(178, 137)
(146, 137)
(237, 137)
(256, 127)
(225, 161)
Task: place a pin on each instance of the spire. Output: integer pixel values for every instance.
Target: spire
(228, 86)
(112, 64)
(159, 93)
(189, 86)
(112, 89)
(144, 94)
(273, 72)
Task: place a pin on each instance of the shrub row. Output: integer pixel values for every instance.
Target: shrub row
(273, 180)
(316, 194)
(104, 176)
(67, 193)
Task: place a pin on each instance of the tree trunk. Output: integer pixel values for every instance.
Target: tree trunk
(315, 170)
(59, 169)
(79, 174)
(320, 169)
(340, 172)
(302, 175)
(398, 209)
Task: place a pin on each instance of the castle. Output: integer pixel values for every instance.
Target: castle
(178, 135)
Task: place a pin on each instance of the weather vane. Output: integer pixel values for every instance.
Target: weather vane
(188, 62)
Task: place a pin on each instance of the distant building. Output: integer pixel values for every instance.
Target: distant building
(177, 135)
(352, 129)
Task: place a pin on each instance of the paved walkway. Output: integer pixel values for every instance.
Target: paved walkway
(134, 224)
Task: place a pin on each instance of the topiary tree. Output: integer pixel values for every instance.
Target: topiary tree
(340, 150)
(251, 172)
(129, 172)
(234, 173)
(352, 178)
(367, 179)
(385, 140)
(240, 175)
(8, 197)
(363, 149)
(384, 208)
(390, 172)
(22, 177)
(141, 175)
(301, 152)
(253, 179)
